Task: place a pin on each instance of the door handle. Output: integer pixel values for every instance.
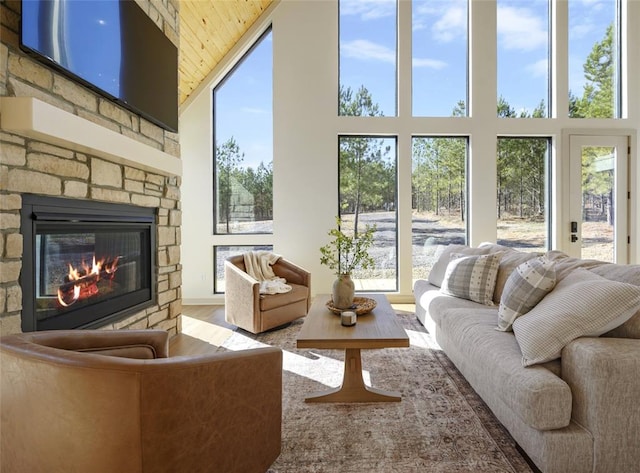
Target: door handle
(574, 238)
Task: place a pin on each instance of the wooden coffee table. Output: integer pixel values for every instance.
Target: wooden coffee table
(378, 329)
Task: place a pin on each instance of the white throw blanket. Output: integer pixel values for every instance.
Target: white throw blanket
(258, 266)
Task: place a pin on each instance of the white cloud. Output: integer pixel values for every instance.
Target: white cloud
(447, 19)
(539, 68)
(367, 50)
(429, 63)
(585, 16)
(368, 9)
(581, 30)
(451, 24)
(520, 29)
(370, 51)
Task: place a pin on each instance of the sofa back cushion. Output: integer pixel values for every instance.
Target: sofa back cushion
(443, 257)
(583, 304)
(629, 273)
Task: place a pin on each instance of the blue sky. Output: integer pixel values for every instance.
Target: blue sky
(440, 49)
(244, 104)
(368, 57)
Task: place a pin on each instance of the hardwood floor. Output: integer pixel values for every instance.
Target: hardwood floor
(204, 327)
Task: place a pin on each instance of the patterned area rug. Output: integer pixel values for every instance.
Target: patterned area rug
(441, 425)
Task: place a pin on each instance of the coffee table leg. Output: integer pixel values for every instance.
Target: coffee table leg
(353, 388)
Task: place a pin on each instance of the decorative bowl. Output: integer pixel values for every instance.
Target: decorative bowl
(361, 306)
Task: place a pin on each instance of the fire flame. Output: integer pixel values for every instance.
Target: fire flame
(83, 282)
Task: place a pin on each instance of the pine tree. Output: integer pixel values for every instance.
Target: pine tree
(597, 99)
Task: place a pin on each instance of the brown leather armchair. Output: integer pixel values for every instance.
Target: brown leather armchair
(255, 312)
(114, 402)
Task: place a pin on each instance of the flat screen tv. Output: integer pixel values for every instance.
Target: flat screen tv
(110, 46)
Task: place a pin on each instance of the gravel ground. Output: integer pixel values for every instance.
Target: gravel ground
(429, 230)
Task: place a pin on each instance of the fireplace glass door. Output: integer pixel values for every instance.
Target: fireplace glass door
(86, 263)
(79, 268)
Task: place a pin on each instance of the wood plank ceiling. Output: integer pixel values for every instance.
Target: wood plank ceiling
(208, 30)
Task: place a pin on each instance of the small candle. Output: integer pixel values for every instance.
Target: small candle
(348, 318)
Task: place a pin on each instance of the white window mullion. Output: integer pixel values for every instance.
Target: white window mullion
(404, 54)
(481, 172)
(559, 58)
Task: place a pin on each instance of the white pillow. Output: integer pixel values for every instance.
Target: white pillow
(582, 304)
(472, 277)
(525, 287)
(443, 256)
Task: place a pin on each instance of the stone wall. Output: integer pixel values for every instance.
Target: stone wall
(30, 165)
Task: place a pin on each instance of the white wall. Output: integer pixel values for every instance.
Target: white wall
(305, 46)
(197, 200)
(305, 37)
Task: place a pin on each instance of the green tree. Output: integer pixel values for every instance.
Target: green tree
(367, 179)
(521, 176)
(438, 176)
(597, 101)
(598, 96)
(360, 104)
(228, 161)
(597, 184)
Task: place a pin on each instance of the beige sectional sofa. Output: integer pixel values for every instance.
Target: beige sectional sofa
(575, 414)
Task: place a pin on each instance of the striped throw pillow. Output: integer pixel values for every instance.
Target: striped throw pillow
(472, 277)
(525, 287)
(582, 304)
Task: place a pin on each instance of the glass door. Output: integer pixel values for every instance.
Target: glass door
(599, 197)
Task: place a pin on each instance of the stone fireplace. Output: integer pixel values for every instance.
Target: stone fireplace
(60, 140)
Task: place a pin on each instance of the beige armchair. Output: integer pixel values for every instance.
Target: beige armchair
(113, 401)
(255, 312)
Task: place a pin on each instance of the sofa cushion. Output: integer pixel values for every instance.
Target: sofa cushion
(629, 273)
(472, 277)
(566, 264)
(492, 364)
(443, 257)
(141, 351)
(526, 286)
(296, 294)
(583, 304)
(433, 302)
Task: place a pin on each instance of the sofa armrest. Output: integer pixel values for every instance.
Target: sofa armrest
(603, 374)
(227, 411)
(143, 344)
(241, 296)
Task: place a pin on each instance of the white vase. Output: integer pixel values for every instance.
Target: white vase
(343, 292)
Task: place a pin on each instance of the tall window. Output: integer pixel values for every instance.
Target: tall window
(368, 58)
(523, 220)
(523, 58)
(594, 59)
(438, 198)
(368, 196)
(243, 136)
(439, 64)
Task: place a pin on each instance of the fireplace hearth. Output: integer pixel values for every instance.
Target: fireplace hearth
(86, 263)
